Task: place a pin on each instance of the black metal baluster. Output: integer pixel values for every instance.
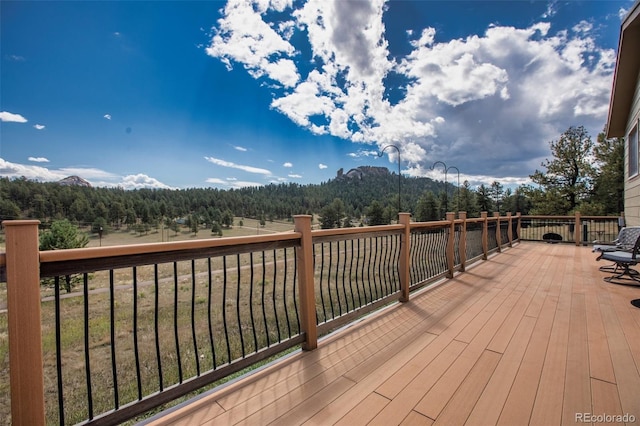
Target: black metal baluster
(87, 363)
(351, 256)
(59, 350)
(284, 292)
(224, 308)
(156, 319)
(251, 290)
(344, 278)
(175, 320)
(295, 290)
(193, 316)
(238, 304)
(370, 267)
(333, 313)
(324, 312)
(336, 279)
(136, 351)
(360, 282)
(273, 294)
(264, 311)
(114, 365)
(209, 316)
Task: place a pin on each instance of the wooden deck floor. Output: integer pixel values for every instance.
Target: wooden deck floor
(531, 336)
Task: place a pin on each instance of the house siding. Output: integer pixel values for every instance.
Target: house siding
(632, 185)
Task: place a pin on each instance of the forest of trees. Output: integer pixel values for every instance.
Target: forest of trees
(582, 175)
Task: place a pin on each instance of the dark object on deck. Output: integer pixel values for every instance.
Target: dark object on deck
(636, 303)
(552, 237)
(624, 261)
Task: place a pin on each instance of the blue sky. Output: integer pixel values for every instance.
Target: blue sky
(181, 94)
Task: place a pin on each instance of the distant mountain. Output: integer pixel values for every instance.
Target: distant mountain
(362, 172)
(74, 181)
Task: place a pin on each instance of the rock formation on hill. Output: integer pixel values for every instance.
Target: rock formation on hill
(74, 181)
(362, 172)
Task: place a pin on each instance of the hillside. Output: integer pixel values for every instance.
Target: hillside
(358, 188)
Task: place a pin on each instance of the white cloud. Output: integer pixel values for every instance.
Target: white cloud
(240, 148)
(483, 102)
(38, 159)
(39, 126)
(322, 166)
(287, 164)
(249, 169)
(232, 183)
(243, 36)
(363, 153)
(15, 58)
(107, 116)
(140, 180)
(11, 117)
(295, 176)
(96, 177)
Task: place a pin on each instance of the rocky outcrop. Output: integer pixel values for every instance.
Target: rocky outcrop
(362, 172)
(74, 181)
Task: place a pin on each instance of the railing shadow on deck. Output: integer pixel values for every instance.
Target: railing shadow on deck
(154, 322)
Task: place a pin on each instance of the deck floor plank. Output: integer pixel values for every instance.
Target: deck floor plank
(530, 336)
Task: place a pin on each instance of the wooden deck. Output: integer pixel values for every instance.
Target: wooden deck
(531, 336)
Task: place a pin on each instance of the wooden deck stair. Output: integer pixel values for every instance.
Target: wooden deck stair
(531, 336)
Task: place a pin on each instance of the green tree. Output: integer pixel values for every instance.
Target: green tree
(427, 208)
(331, 215)
(227, 218)
(63, 235)
(193, 224)
(375, 214)
(608, 188)
(570, 172)
(497, 194)
(9, 210)
(216, 229)
(483, 197)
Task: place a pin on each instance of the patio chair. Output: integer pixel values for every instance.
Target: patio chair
(624, 260)
(624, 242)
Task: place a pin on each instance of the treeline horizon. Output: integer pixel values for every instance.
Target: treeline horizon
(22, 198)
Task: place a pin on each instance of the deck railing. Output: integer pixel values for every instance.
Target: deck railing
(153, 322)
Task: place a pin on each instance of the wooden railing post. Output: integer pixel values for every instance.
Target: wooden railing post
(577, 234)
(509, 229)
(405, 256)
(307, 294)
(451, 217)
(485, 235)
(25, 324)
(498, 236)
(462, 246)
(519, 225)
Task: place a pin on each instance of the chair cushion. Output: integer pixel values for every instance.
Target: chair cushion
(619, 256)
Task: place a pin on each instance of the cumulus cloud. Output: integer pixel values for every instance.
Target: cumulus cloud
(287, 164)
(249, 169)
(96, 177)
(11, 117)
(232, 183)
(487, 101)
(38, 159)
(140, 180)
(38, 126)
(322, 166)
(294, 176)
(107, 116)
